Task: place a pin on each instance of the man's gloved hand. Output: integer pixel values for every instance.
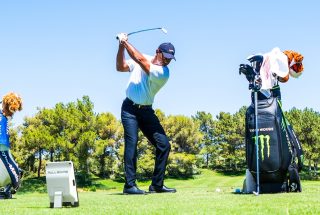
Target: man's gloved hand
(248, 71)
(122, 37)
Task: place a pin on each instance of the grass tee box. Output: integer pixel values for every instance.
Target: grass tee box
(61, 184)
(207, 193)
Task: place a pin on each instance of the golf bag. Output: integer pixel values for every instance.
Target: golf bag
(278, 147)
(10, 175)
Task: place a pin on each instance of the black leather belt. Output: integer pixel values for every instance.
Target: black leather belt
(137, 105)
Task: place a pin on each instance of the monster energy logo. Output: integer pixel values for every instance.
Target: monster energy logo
(264, 140)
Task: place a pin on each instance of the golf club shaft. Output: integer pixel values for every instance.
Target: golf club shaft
(149, 29)
(256, 139)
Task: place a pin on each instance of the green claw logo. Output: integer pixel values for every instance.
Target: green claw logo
(264, 139)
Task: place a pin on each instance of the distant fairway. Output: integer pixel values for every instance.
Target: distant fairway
(195, 196)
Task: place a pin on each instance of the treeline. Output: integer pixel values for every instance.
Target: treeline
(95, 143)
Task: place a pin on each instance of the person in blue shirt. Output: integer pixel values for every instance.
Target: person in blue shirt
(10, 174)
(148, 74)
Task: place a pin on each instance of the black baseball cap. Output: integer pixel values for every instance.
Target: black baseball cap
(167, 50)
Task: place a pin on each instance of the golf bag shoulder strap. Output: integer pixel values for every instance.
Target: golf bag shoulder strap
(297, 152)
(293, 140)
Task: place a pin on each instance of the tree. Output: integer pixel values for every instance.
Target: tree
(36, 138)
(84, 136)
(207, 145)
(185, 138)
(306, 124)
(230, 136)
(109, 136)
(65, 132)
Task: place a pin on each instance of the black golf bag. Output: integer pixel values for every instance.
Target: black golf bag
(278, 147)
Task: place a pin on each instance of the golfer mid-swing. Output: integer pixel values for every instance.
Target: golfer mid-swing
(148, 75)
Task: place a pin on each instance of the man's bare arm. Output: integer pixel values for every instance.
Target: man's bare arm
(137, 56)
(121, 61)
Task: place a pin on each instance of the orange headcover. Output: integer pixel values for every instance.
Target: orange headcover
(294, 62)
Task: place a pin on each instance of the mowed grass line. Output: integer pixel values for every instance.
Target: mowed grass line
(208, 193)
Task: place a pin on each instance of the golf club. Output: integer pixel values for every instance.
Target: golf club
(148, 29)
(256, 139)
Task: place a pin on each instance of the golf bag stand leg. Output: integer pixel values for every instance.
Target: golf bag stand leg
(257, 138)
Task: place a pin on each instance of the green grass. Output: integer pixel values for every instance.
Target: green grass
(194, 196)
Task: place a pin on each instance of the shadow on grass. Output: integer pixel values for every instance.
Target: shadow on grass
(148, 178)
(117, 194)
(231, 172)
(97, 185)
(31, 185)
(182, 178)
(119, 180)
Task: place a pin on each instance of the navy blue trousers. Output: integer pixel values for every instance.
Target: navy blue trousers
(134, 117)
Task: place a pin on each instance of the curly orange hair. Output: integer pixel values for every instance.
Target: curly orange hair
(297, 57)
(12, 102)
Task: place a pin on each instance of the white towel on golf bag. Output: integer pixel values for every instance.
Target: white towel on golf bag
(275, 63)
(249, 184)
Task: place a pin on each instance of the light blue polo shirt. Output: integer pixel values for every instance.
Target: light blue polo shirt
(142, 88)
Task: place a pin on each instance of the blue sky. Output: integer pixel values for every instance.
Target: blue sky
(59, 50)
